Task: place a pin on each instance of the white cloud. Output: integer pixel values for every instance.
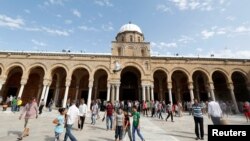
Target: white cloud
(162, 45)
(199, 49)
(54, 2)
(230, 18)
(207, 34)
(37, 43)
(108, 27)
(163, 8)
(55, 31)
(58, 16)
(185, 39)
(27, 11)
(228, 53)
(203, 5)
(242, 29)
(68, 22)
(12, 23)
(86, 28)
(76, 13)
(104, 3)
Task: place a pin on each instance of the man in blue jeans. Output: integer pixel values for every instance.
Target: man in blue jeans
(72, 116)
(109, 115)
(136, 124)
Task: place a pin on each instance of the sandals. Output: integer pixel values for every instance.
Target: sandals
(20, 138)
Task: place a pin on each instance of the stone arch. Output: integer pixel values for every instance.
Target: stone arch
(224, 72)
(159, 68)
(58, 66)
(182, 70)
(37, 65)
(13, 65)
(240, 81)
(160, 78)
(204, 71)
(200, 78)
(130, 87)
(1, 69)
(136, 65)
(100, 84)
(79, 66)
(221, 81)
(98, 68)
(238, 70)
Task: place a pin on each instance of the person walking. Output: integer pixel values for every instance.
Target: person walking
(136, 124)
(59, 122)
(19, 103)
(119, 121)
(170, 111)
(127, 128)
(71, 116)
(41, 106)
(94, 111)
(29, 112)
(214, 111)
(109, 115)
(83, 112)
(198, 120)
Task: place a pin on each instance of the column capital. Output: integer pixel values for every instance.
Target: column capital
(91, 83)
(230, 85)
(108, 85)
(170, 86)
(211, 85)
(190, 85)
(46, 81)
(67, 83)
(24, 81)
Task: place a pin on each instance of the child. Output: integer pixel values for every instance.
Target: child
(119, 118)
(59, 121)
(127, 126)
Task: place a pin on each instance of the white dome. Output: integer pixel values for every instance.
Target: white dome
(130, 27)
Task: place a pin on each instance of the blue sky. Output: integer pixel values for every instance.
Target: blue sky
(187, 27)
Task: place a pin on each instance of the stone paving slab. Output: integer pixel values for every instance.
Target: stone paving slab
(152, 129)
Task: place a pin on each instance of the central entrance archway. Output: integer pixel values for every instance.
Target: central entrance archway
(130, 84)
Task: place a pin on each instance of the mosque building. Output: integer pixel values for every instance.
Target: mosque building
(128, 73)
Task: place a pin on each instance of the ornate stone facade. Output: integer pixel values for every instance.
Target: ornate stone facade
(63, 76)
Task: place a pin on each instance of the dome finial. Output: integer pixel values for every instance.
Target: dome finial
(129, 22)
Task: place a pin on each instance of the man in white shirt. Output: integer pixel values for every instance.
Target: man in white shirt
(71, 116)
(83, 112)
(214, 111)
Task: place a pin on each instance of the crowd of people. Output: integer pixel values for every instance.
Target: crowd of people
(117, 115)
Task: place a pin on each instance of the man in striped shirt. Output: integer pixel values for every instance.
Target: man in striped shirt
(198, 120)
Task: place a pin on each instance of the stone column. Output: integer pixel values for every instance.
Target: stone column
(56, 95)
(211, 84)
(112, 93)
(43, 92)
(108, 92)
(198, 93)
(39, 91)
(148, 93)
(191, 87)
(90, 94)
(46, 94)
(152, 92)
(170, 97)
(117, 92)
(67, 84)
(160, 88)
(231, 88)
(77, 92)
(2, 82)
(23, 82)
(143, 93)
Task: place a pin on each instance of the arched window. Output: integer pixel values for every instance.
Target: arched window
(142, 52)
(119, 51)
(131, 38)
(122, 38)
(139, 39)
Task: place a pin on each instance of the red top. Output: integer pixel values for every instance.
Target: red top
(109, 109)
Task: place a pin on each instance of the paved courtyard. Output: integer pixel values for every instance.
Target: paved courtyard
(153, 129)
